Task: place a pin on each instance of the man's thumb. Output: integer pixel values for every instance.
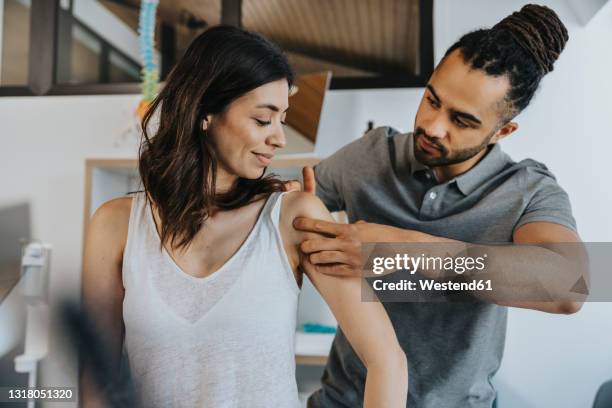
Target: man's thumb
(309, 179)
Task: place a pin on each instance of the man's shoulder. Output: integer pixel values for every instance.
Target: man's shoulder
(534, 177)
(545, 199)
(533, 170)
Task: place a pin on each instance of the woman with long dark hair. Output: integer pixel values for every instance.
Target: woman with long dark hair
(198, 275)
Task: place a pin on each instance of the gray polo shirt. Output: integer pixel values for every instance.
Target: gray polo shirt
(453, 349)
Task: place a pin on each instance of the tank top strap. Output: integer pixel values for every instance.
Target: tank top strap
(134, 214)
(137, 231)
(139, 220)
(274, 207)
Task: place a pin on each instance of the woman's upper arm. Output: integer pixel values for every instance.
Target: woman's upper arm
(358, 319)
(102, 286)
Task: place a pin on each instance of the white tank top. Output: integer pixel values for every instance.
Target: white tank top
(226, 340)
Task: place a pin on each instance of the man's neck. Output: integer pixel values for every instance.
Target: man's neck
(449, 172)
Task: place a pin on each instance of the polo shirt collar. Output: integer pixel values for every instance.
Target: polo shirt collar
(491, 164)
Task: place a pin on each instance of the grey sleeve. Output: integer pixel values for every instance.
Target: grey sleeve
(332, 182)
(549, 202)
(328, 177)
(338, 175)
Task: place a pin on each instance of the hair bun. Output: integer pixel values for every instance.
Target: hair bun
(539, 31)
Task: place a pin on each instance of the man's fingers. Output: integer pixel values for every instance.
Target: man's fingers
(313, 245)
(339, 270)
(293, 185)
(309, 179)
(332, 269)
(329, 257)
(320, 226)
(319, 244)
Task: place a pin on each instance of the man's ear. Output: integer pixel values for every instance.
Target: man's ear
(504, 131)
(206, 122)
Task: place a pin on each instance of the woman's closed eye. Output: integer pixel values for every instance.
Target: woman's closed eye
(266, 123)
(262, 122)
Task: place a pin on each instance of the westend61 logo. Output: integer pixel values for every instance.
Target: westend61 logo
(503, 272)
(396, 271)
(458, 264)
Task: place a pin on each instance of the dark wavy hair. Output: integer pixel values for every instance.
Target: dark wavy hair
(524, 46)
(178, 164)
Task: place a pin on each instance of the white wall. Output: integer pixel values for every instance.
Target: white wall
(550, 360)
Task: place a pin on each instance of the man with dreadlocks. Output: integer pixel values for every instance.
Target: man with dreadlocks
(450, 182)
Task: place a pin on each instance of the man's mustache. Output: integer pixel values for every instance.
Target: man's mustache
(421, 132)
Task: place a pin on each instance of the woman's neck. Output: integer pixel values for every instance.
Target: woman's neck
(224, 181)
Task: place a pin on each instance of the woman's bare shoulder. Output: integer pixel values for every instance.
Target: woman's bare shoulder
(301, 204)
(102, 287)
(293, 205)
(111, 219)
(115, 210)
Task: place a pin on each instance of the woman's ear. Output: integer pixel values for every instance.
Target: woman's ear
(206, 122)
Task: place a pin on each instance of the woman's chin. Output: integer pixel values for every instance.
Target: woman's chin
(254, 173)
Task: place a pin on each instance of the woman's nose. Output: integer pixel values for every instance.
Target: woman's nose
(278, 139)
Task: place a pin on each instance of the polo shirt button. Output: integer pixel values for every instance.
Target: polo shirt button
(433, 195)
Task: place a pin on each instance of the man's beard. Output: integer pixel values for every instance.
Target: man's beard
(445, 158)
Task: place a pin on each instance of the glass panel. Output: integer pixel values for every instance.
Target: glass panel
(98, 41)
(122, 69)
(95, 46)
(14, 42)
(85, 51)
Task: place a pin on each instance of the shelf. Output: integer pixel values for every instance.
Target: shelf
(312, 348)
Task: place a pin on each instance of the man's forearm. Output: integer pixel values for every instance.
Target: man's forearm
(525, 276)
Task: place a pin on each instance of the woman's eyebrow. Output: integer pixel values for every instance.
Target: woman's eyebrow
(271, 107)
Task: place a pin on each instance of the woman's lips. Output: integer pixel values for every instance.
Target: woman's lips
(264, 158)
(428, 147)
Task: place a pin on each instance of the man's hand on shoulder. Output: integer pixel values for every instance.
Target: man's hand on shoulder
(335, 249)
(344, 254)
